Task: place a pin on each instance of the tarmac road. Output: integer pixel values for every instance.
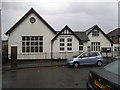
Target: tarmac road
(47, 77)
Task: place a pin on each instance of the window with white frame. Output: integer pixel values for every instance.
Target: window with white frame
(117, 48)
(95, 46)
(32, 44)
(95, 32)
(69, 44)
(62, 44)
(80, 46)
(65, 44)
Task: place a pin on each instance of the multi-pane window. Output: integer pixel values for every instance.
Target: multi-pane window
(62, 44)
(62, 40)
(69, 44)
(95, 32)
(65, 44)
(117, 48)
(32, 44)
(95, 46)
(80, 46)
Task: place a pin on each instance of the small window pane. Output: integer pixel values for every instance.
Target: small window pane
(40, 49)
(23, 38)
(32, 43)
(28, 38)
(32, 49)
(32, 37)
(61, 48)
(23, 43)
(36, 38)
(36, 43)
(23, 49)
(61, 40)
(27, 43)
(69, 40)
(40, 43)
(61, 44)
(40, 38)
(36, 49)
(69, 48)
(69, 44)
(28, 49)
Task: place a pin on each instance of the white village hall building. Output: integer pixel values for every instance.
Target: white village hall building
(34, 38)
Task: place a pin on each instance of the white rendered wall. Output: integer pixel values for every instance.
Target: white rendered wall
(104, 42)
(56, 46)
(28, 29)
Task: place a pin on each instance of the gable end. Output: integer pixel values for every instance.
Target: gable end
(66, 31)
(25, 16)
(96, 27)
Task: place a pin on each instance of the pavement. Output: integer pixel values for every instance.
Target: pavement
(34, 64)
(41, 63)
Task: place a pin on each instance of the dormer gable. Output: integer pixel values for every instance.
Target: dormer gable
(66, 31)
(95, 30)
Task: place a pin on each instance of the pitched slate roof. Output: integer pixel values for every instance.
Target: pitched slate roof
(82, 35)
(115, 32)
(24, 17)
(97, 27)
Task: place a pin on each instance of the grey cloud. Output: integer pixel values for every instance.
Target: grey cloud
(78, 15)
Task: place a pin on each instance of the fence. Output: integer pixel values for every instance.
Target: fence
(61, 55)
(46, 55)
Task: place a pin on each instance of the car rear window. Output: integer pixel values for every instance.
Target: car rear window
(113, 67)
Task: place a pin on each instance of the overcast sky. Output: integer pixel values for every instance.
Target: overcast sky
(77, 15)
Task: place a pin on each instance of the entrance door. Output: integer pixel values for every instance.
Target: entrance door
(14, 56)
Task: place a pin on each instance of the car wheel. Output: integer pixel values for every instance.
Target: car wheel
(99, 63)
(76, 64)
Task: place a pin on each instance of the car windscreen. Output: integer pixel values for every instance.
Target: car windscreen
(113, 67)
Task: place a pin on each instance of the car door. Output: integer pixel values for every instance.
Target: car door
(92, 58)
(84, 58)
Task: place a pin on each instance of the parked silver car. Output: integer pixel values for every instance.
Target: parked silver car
(85, 58)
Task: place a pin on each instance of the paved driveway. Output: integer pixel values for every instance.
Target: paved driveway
(47, 77)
